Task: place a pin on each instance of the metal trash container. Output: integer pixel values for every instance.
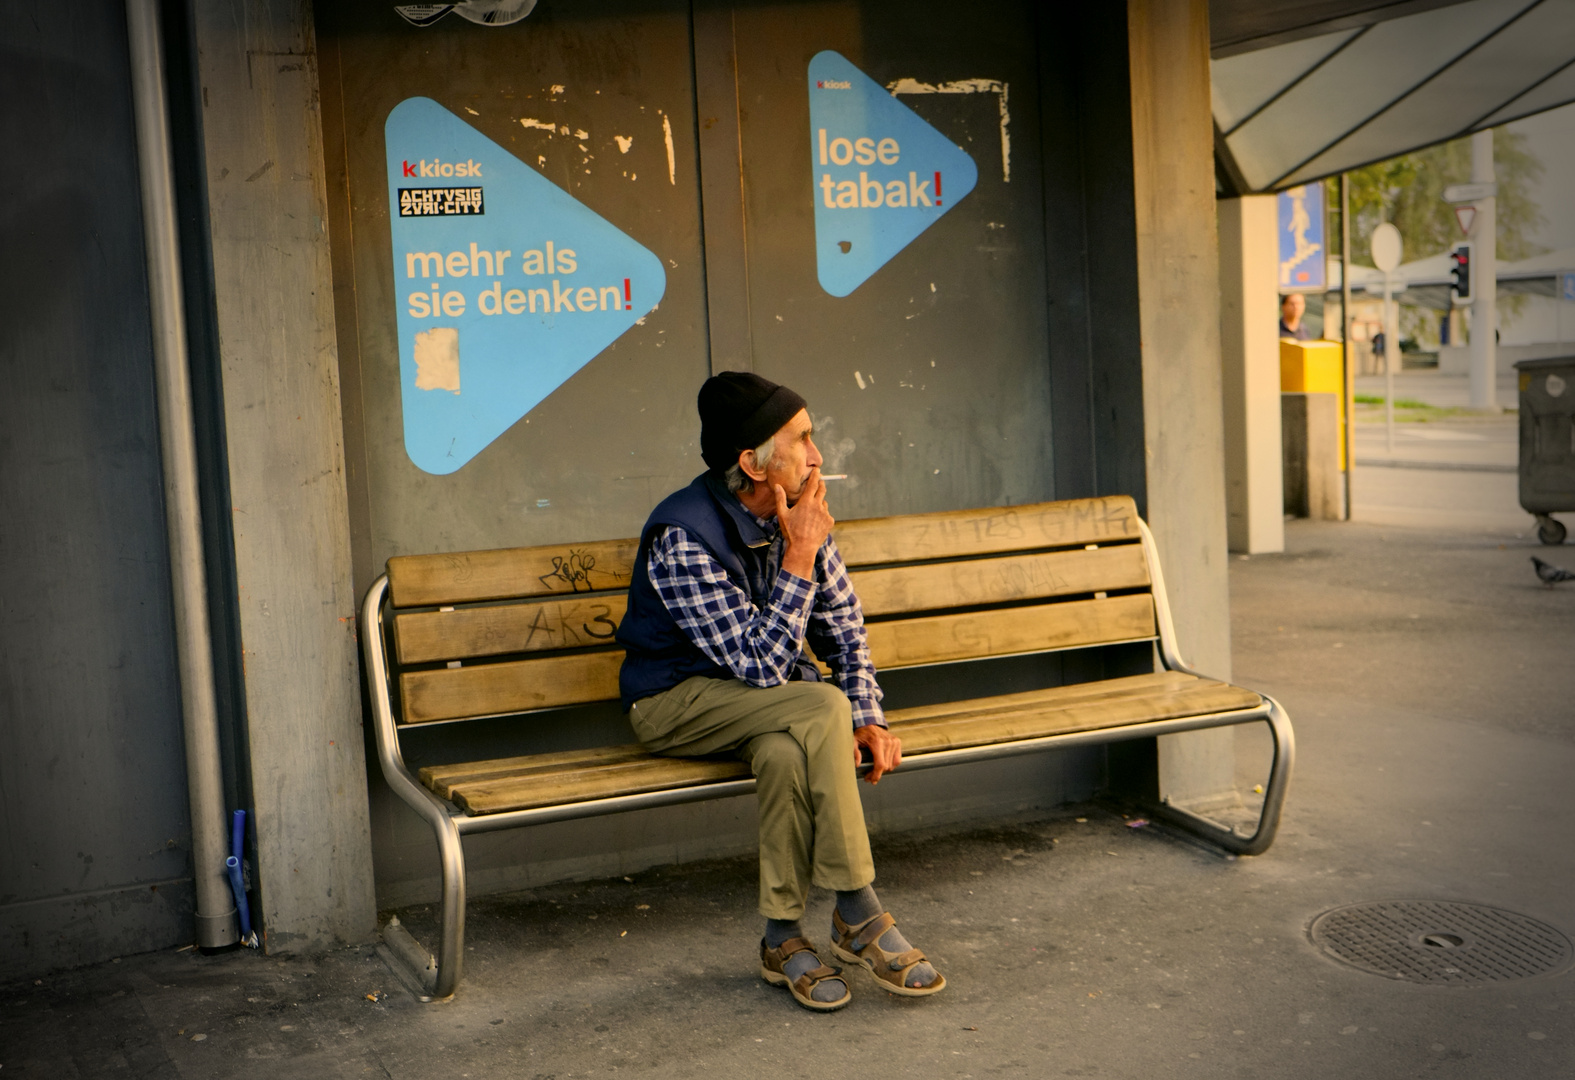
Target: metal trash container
(1547, 442)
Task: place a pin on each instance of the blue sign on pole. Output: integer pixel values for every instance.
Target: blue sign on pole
(1567, 284)
(1303, 249)
(881, 174)
(505, 285)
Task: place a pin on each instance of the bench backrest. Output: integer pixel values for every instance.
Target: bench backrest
(487, 633)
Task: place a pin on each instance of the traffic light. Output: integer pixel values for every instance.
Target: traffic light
(1460, 257)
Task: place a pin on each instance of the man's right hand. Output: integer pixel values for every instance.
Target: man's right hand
(805, 525)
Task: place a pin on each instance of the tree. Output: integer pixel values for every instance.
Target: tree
(1409, 191)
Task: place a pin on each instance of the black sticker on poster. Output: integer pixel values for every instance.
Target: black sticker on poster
(440, 202)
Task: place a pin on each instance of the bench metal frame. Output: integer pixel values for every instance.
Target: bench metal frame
(441, 974)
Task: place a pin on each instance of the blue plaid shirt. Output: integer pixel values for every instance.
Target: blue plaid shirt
(759, 646)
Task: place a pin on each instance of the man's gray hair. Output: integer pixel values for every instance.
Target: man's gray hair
(738, 481)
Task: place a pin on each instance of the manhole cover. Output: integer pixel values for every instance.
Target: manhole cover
(1441, 943)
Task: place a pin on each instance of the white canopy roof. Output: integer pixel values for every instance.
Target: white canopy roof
(1312, 101)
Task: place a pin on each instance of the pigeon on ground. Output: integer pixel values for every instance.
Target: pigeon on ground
(1551, 575)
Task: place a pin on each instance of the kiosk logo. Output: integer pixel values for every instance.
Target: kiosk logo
(499, 302)
(881, 174)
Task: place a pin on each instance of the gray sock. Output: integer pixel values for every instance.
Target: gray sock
(780, 930)
(859, 906)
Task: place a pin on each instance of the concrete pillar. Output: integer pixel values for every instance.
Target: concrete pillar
(1178, 274)
(1484, 305)
(1250, 367)
(1311, 427)
(264, 162)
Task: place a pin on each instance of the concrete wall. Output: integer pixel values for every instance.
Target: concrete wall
(1096, 354)
(1250, 367)
(94, 828)
(1178, 300)
(1080, 165)
(1109, 216)
(1000, 352)
(1310, 425)
(268, 215)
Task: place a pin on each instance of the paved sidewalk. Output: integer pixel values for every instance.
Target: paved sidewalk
(1444, 391)
(1489, 444)
(1447, 490)
(1447, 467)
(1430, 680)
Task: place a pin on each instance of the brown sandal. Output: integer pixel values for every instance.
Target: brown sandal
(772, 962)
(860, 945)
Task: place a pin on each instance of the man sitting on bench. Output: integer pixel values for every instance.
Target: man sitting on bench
(734, 573)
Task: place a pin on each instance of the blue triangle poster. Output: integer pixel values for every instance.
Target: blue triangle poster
(505, 285)
(882, 175)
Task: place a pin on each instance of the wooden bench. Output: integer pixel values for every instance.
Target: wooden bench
(487, 634)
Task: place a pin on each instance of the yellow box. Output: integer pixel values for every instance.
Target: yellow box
(1314, 367)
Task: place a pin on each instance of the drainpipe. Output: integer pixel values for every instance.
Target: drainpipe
(216, 915)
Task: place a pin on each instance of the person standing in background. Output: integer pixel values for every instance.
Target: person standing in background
(1291, 308)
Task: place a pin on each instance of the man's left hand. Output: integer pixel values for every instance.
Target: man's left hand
(884, 747)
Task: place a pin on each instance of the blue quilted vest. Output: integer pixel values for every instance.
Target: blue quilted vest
(658, 654)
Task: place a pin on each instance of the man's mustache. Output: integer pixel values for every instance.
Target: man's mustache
(793, 496)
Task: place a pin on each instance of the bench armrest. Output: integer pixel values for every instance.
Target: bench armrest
(1169, 652)
(433, 810)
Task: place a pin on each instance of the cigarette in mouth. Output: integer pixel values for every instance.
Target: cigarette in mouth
(834, 476)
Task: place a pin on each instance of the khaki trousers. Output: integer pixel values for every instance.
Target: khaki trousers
(798, 740)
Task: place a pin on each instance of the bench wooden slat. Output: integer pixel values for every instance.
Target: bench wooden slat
(1071, 624)
(575, 623)
(465, 577)
(1031, 721)
(424, 636)
(653, 774)
(580, 775)
(910, 537)
(991, 581)
(552, 681)
(515, 686)
(443, 778)
(1073, 693)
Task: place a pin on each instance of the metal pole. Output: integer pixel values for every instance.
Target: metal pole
(216, 915)
(1345, 337)
(1484, 305)
(1390, 348)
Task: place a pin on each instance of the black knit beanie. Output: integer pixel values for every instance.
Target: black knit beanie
(738, 411)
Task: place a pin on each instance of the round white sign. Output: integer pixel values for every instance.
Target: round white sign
(1385, 246)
